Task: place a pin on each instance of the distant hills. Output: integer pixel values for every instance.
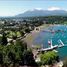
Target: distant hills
(35, 12)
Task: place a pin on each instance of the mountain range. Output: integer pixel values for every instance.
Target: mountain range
(35, 12)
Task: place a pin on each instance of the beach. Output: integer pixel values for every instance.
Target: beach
(30, 37)
(33, 34)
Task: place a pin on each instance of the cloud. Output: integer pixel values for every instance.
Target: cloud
(49, 9)
(54, 8)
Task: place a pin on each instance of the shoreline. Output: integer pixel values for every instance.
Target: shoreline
(31, 36)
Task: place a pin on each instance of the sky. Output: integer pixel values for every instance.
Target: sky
(14, 7)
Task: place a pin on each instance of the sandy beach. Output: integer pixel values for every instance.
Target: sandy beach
(30, 37)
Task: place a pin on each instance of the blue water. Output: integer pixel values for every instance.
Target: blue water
(61, 33)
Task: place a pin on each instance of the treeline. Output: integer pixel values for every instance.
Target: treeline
(56, 19)
(50, 19)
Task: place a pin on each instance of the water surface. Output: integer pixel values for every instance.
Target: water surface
(55, 33)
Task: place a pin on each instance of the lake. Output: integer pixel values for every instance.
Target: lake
(55, 33)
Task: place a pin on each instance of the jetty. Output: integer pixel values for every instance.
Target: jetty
(61, 44)
(51, 46)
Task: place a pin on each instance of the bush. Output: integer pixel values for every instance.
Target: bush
(49, 57)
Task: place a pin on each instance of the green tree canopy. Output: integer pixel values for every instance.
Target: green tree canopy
(49, 57)
(16, 54)
(4, 39)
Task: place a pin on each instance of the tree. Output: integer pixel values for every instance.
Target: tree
(28, 58)
(27, 30)
(14, 37)
(49, 57)
(16, 54)
(1, 58)
(22, 33)
(4, 39)
(11, 57)
(21, 44)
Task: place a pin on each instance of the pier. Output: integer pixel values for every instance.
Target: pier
(61, 44)
(52, 47)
